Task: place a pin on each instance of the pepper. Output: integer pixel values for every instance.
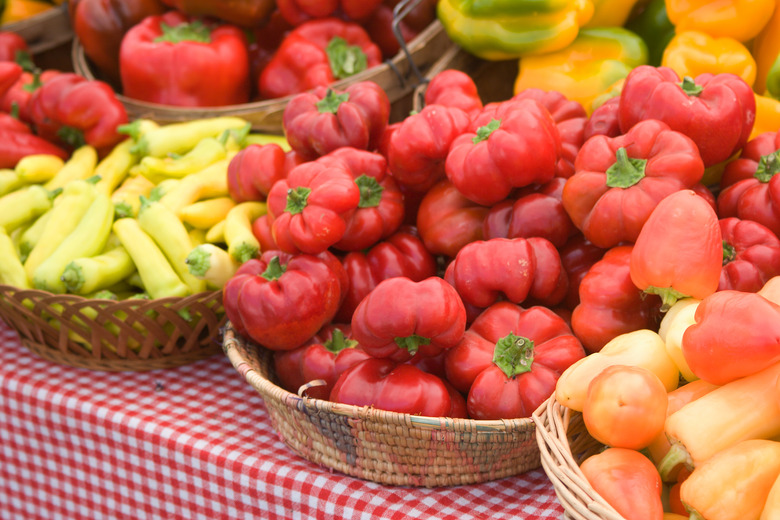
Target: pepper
(73, 110)
(254, 170)
(509, 360)
(692, 106)
(402, 388)
(19, 10)
(691, 53)
(16, 98)
(315, 54)
(738, 19)
(309, 208)
(454, 88)
(673, 325)
(189, 50)
(324, 119)
(401, 254)
(765, 49)
(13, 46)
(296, 12)
(14, 146)
(245, 13)
(380, 24)
(511, 144)
(751, 255)
(329, 353)
(634, 170)
(611, 13)
(497, 30)
(482, 275)
(101, 24)
(653, 26)
(281, 300)
(401, 318)
(609, 302)
(586, 68)
(578, 255)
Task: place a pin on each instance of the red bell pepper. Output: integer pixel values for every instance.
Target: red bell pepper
(401, 318)
(254, 170)
(245, 13)
(610, 303)
(604, 120)
(512, 144)
(325, 356)
(261, 229)
(751, 255)
(100, 26)
(402, 388)
(262, 42)
(754, 192)
(297, 12)
(188, 50)
(72, 110)
(315, 54)
(447, 221)
(736, 334)
(679, 252)
(381, 208)
(380, 23)
(16, 144)
(510, 359)
(10, 72)
(619, 180)
(578, 255)
(417, 148)
(515, 269)
(402, 254)
(570, 118)
(692, 106)
(323, 120)
(537, 211)
(310, 207)
(454, 88)
(11, 45)
(281, 300)
(15, 99)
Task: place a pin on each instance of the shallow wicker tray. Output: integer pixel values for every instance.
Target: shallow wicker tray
(44, 31)
(564, 443)
(397, 76)
(386, 447)
(127, 335)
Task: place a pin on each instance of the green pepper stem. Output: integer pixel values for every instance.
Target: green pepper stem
(690, 87)
(676, 455)
(345, 60)
(370, 191)
(626, 171)
(668, 296)
(729, 253)
(484, 132)
(331, 102)
(297, 199)
(338, 342)
(274, 270)
(514, 355)
(412, 343)
(184, 32)
(768, 166)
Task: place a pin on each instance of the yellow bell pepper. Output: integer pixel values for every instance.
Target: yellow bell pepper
(507, 29)
(586, 69)
(767, 116)
(678, 318)
(17, 10)
(691, 53)
(766, 47)
(738, 19)
(610, 13)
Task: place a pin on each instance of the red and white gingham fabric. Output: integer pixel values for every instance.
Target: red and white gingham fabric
(191, 443)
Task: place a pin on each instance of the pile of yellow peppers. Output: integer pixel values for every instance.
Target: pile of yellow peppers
(18, 10)
(586, 48)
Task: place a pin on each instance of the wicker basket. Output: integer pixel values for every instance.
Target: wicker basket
(386, 447)
(126, 335)
(396, 76)
(45, 31)
(564, 443)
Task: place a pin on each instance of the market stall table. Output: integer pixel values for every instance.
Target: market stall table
(193, 442)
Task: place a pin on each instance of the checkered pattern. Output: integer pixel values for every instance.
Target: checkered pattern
(194, 443)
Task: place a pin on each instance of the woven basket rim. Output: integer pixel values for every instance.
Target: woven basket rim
(231, 336)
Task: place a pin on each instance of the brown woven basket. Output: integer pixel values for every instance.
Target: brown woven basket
(386, 447)
(126, 335)
(564, 443)
(396, 76)
(44, 31)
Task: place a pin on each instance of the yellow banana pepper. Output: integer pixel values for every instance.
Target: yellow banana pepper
(738, 19)
(586, 69)
(691, 53)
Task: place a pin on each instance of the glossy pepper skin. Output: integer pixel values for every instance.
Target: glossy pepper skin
(189, 49)
(401, 318)
(310, 207)
(401, 254)
(578, 255)
(634, 170)
(496, 30)
(325, 356)
(72, 110)
(18, 143)
(297, 12)
(100, 26)
(751, 255)
(315, 54)
(692, 106)
(402, 388)
(588, 67)
(765, 48)
(653, 26)
(254, 170)
(691, 53)
(454, 88)
(281, 300)
(510, 145)
(12, 43)
(709, 346)
(379, 24)
(15, 99)
(609, 302)
(324, 119)
(739, 19)
(244, 13)
(509, 360)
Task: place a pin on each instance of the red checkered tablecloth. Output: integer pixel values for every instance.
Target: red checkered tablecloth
(191, 443)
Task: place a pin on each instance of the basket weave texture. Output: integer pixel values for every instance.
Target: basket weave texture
(126, 335)
(386, 447)
(564, 443)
